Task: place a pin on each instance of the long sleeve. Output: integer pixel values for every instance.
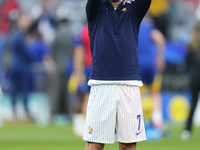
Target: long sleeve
(92, 9)
(142, 7)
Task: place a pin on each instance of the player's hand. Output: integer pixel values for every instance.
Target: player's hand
(79, 75)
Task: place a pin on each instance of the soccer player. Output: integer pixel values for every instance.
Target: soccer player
(193, 65)
(114, 101)
(151, 47)
(82, 61)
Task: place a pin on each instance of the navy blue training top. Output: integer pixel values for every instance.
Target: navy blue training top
(114, 38)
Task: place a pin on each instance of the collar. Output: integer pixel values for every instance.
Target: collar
(127, 1)
(120, 5)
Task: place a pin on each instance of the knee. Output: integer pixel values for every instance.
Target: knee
(127, 146)
(94, 146)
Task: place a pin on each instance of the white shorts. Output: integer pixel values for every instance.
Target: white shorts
(113, 107)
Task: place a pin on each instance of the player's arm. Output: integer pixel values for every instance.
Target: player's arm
(78, 56)
(142, 7)
(159, 40)
(92, 9)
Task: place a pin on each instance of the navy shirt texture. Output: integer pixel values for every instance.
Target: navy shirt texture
(114, 38)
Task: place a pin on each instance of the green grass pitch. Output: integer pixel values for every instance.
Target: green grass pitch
(32, 137)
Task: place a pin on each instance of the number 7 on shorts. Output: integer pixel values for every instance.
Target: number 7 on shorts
(139, 118)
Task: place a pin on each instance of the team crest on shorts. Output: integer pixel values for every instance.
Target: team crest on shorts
(90, 130)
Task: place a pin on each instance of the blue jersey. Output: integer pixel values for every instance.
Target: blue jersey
(114, 38)
(38, 50)
(146, 45)
(21, 56)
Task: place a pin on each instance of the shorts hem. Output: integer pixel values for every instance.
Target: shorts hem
(133, 141)
(100, 142)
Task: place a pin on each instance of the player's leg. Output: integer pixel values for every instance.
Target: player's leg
(94, 146)
(194, 89)
(194, 93)
(127, 146)
(157, 116)
(130, 121)
(153, 81)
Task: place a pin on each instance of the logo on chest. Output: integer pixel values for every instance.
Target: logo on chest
(124, 9)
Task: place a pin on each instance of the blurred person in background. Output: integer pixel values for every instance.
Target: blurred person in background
(1, 93)
(1, 71)
(151, 49)
(81, 70)
(20, 69)
(197, 11)
(159, 12)
(1, 55)
(39, 51)
(44, 13)
(62, 50)
(8, 8)
(195, 3)
(180, 27)
(193, 65)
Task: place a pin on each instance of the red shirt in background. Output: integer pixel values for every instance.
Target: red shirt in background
(86, 43)
(5, 9)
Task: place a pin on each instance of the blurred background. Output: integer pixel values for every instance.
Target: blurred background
(45, 64)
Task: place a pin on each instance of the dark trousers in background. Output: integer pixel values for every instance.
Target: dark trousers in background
(21, 80)
(194, 89)
(59, 94)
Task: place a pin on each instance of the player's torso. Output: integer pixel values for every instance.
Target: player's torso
(114, 36)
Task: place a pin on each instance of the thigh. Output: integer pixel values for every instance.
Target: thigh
(101, 114)
(130, 122)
